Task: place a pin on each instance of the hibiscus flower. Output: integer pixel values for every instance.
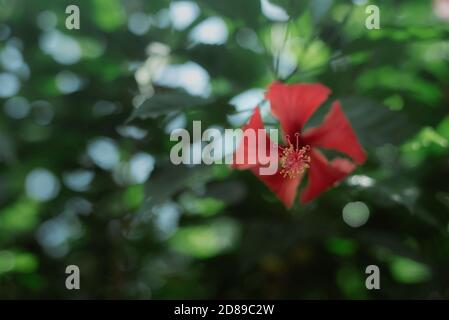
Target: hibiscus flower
(293, 105)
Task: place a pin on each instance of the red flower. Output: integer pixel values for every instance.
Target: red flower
(293, 105)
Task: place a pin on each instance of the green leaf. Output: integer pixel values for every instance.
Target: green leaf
(172, 179)
(244, 67)
(319, 9)
(443, 128)
(7, 149)
(375, 124)
(341, 246)
(393, 38)
(21, 216)
(294, 8)
(108, 14)
(164, 103)
(426, 143)
(17, 261)
(25, 262)
(205, 206)
(206, 240)
(351, 282)
(246, 12)
(409, 271)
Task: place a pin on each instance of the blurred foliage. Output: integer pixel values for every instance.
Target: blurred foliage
(85, 176)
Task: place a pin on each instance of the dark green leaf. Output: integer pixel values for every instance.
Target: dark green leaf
(164, 103)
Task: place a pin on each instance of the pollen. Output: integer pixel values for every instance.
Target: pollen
(294, 159)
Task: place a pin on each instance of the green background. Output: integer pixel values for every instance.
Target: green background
(85, 176)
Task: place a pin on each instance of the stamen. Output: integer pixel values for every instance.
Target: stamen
(287, 137)
(294, 159)
(297, 140)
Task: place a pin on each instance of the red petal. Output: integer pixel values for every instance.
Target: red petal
(248, 152)
(336, 133)
(284, 188)
(294, 104)
(324, 175)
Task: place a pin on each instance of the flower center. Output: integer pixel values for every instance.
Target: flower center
(294, 159)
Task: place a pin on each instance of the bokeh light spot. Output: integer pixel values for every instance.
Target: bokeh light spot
(190, 76)
(141, 166)
(213, 30)
(104, 153)
(183, 13)
(63, 49)
(273, 12)
(11, 58)
(139, 23)
(68, 82)
(17, 107)
(356, 214)
(41, 185)
(7, 261)
(46, 20)
(9, 85)
(78, 180)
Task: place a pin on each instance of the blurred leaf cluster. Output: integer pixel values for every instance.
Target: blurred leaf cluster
(85, 175)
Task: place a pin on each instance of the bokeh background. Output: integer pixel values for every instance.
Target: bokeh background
(85, 176)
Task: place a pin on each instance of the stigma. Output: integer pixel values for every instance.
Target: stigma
(294, 159)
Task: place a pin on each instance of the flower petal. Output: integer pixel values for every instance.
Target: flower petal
(246, 154)
(337, 134)
(284, 188)
(294, 104)
(324, 175)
